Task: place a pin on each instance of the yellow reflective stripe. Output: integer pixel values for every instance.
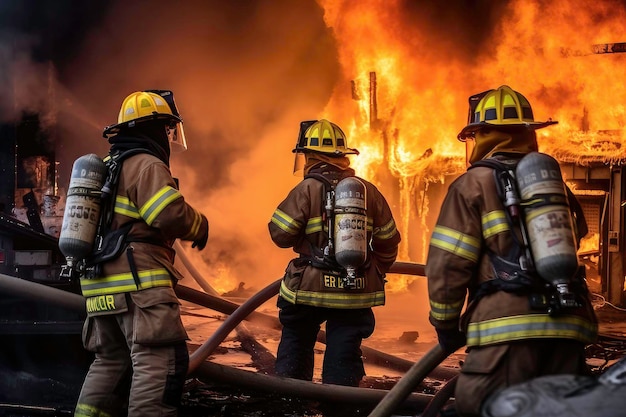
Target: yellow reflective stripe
(155, 205)
(387, 231)
(455, 242)
(125, 207)
(120, 283)
(85, 410)
(195, 227)
(494, 222)
(314, 225)
(332, 300)
(287, 294)
(285, 222)
(441, 311)
(530, 326)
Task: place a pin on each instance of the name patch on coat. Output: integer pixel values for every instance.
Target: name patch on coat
(333, 281)
(100, 303)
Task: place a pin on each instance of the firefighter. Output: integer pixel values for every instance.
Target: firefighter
(134, 325)
(314, 289)
(510, 334)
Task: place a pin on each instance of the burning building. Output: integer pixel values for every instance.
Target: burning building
(410, 84)
(394, 74)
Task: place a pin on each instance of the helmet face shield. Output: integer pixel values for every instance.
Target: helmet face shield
(176, 137)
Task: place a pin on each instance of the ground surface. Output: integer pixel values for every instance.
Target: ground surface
(206, 397)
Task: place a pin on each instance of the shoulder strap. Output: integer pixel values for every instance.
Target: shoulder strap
(108, 241)
(327, 182)
(489, 163)
(510, 274)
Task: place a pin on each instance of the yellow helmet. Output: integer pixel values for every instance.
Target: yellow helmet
(503, 109)
(324, 137)
(147, 105)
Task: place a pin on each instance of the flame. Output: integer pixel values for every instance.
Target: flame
(589, 243)
(409, 92)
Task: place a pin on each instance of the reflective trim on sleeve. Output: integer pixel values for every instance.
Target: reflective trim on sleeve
(530, 326)
(157, 203)
(195, 227)
(314, 225)
(494, 222)
(125, 207)
(387, 231)
(457, 243)
(285, 222)
(120, 283)
(441, 311)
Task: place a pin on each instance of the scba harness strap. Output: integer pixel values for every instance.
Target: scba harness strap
(514, 272)
(110, 244)
(323, 257)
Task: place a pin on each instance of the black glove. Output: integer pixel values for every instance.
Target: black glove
(200, 242)
(451, 339)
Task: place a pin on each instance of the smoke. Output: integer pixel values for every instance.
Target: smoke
(244, 74)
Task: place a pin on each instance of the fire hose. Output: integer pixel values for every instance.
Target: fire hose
(74, 301)
(390, 402)
(372, 356)
(262, 383)
(230, 323)
(409, 381)
(28, 289)
(306, 389)
(248, 342)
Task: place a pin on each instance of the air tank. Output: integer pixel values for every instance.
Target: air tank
(548, 221)
(82, 208)
(350, 227)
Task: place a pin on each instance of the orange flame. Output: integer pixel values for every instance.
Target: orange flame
(410, 97)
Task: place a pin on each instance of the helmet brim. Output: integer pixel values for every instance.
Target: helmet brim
(115, 128)
(469, 130)
(337, 154)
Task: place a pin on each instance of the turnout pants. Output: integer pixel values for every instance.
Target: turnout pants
(137, 369)
(345, 330)
(490, 368)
